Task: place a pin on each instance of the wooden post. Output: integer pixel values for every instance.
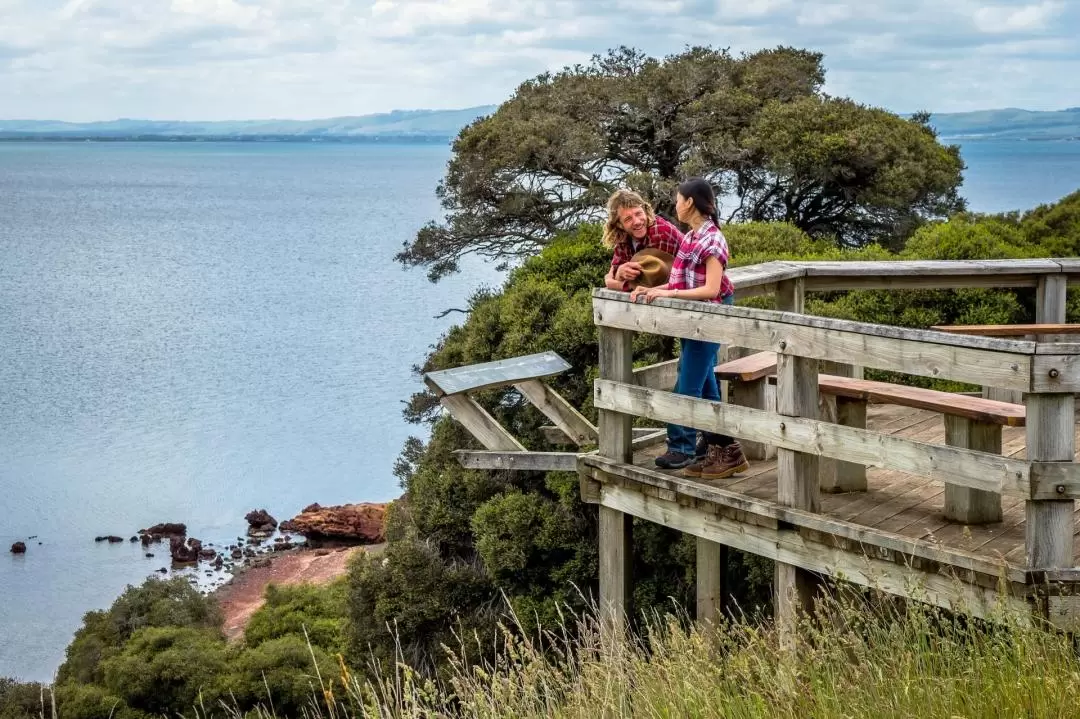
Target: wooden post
(711, 563)
(758, 394)
(791, 295)
(616, 437)
(836, 475)
(1050, 438)
(796, 486)
(964, 504)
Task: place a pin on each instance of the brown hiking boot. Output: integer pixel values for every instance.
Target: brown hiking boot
(725, 462)
(712, 456)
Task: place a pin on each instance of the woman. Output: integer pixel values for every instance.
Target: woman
(698, 274)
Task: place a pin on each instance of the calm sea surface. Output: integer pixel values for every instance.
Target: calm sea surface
(191, 331)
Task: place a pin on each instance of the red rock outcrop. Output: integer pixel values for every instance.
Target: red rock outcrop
(363, 523)
(183, 550)
(168, 529)
(260, 522)
(18, 548)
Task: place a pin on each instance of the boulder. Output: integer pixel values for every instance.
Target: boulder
(18, 548)
(363, 523)
(167, 529)
(183, 550)
(110, 538)
(260, 522)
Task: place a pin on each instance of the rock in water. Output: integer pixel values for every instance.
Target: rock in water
(361, 523)
(18, 548)
(260, 522)
(184, 551)
(167, 529)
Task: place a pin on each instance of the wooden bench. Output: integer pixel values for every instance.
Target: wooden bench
(970, 422)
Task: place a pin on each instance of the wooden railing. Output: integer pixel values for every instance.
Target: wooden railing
(1045, 374)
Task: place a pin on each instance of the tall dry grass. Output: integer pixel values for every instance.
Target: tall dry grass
(865, 660)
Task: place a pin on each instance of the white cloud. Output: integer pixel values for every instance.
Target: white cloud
(211, 59)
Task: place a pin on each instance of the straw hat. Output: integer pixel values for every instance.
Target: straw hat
(655, 267)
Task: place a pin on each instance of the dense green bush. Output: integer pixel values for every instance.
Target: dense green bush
(156, 603)
(285, 674)
(290, 610)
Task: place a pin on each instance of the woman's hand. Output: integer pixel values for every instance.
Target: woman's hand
(650, 293)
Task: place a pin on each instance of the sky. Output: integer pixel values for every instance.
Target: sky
(82, 60)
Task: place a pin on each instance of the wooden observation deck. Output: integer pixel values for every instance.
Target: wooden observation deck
(960, 502)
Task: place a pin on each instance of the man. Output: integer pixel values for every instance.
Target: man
(632, 226)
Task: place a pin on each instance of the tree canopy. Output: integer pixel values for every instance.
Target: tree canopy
(758, 126)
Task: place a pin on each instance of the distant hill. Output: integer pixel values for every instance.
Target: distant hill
(1009, 124)
(399, 124)
(443, 125)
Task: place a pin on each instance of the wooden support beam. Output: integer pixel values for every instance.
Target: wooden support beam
(964, 504)
(521, 461)
(480, 424)
(1050, 438)
(616, 364)
(559, 411)
(791, 295)
(796, 486)
(1050, 294)
(836, 475)
(711, 565)
(616, 560)
(616, 443)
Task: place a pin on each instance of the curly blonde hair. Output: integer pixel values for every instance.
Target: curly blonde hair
(621, 200)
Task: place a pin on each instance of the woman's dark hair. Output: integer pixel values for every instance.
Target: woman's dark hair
(701, 192)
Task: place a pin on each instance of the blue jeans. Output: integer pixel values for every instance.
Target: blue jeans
(697, 361)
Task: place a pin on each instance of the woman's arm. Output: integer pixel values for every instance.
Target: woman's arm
(714, 275)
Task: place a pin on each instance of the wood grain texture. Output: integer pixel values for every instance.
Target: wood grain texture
(521, 461)
(790, 548)
(616, 560)
(1008, 330)
(964, 504)
(964, 467)
(979, 360)
(616, 364)
(711, 565)
(558, 410)
(480, 424)
(749, 368)
(1051, 437)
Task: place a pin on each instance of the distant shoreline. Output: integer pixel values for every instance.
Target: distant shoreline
(328, 139)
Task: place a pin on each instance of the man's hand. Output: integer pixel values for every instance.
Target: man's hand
(628, 271)
(650, 293)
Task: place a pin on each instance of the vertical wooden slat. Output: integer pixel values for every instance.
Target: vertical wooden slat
(837, 475)
(616, 437)
(791, 295)
(796, 486)
(1050, 296)
(616, 558)
(965, 504)
(711, 563)
(1050, 438)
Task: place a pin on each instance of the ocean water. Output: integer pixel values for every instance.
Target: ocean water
(190, 331)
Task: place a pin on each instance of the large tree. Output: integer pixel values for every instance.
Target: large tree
(758, 126)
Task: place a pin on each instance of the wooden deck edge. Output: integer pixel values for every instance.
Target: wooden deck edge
(882, 544)
(790, 547)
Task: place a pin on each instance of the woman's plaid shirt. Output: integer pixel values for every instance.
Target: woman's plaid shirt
(688, 269)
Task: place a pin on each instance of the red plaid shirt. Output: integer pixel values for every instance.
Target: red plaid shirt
(688, 269)
(662, 235)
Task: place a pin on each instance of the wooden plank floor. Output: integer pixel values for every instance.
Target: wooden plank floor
(902, 503)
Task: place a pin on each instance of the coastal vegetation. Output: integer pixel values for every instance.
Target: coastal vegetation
(481, 602)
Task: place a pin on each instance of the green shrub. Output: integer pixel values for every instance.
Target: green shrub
(283, 674)
(23, 700)
(168, 670)
(290, 610)
(155, 603)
